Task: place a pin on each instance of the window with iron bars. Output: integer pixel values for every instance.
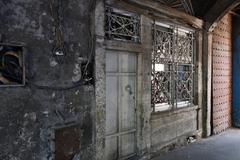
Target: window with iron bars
(172, 67)
(121, 25)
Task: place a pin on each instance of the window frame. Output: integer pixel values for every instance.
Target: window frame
(130, 18)
(173, 101)
(21, 56)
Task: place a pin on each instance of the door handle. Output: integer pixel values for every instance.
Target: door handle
(128, 88)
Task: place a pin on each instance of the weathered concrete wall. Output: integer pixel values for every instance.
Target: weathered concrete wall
(30, 115)
(172, 128)
(100, 84)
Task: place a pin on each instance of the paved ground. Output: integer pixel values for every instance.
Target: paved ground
(221, 147)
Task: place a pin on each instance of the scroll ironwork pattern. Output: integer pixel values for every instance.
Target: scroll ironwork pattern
(184, 49)
(121, 25)
(184, 83)
(162, 47)
(172, 66)
(161, 87)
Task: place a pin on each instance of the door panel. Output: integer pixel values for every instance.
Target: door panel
(112, 105)
(121, 70)
(111, 148)
(127, 63)
(127, 144)
(112, 62)
(127, 99)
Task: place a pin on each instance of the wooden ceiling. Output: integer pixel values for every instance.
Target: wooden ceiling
(183, 5)
(196, 8)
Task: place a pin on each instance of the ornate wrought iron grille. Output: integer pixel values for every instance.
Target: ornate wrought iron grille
(161, 83)
(122, 25)
(172, 67)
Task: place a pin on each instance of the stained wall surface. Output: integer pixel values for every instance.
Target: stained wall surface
(52, 104)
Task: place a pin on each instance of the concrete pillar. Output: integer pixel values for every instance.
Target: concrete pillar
(100, 81)
(144, 141)
(207, 80)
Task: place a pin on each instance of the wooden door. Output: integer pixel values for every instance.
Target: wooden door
(121, 70)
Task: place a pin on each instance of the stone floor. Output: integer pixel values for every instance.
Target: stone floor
(225, 146)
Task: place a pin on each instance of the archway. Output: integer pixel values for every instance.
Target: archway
(212, 17)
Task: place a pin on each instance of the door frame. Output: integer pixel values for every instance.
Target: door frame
(134, 129)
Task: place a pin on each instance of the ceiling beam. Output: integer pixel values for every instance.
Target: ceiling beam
(187, 4)
(171, 12)
(219, 9)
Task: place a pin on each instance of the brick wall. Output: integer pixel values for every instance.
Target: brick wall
(222, 75)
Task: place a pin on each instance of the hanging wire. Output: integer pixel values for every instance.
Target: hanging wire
(59, 44)
(91, 39)
(58, 30)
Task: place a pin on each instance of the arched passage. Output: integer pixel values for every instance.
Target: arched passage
(212, 17)
(222, 75)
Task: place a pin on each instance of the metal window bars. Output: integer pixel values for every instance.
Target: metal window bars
(172, 67)
(121, 25)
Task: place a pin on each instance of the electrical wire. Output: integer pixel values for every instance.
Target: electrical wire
(59, 45)
(91, 41)
(59, 37)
